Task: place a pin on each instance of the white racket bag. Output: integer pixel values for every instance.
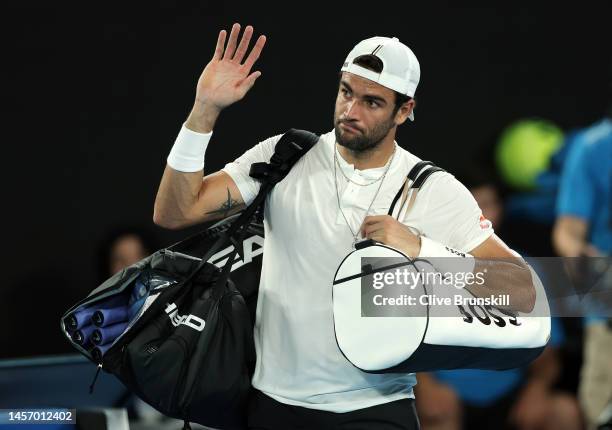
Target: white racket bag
(438, 329)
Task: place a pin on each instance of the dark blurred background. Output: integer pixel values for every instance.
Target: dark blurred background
(94, 96)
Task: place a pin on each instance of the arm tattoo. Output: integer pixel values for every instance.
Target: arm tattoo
(227, 206)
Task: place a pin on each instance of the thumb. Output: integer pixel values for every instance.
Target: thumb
(249, 81)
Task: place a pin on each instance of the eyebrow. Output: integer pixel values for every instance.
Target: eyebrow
(378, 99)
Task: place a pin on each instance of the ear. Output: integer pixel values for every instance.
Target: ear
(404, 111)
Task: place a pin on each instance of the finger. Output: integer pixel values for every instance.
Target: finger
(220, 44)
(374, 218)
(244, 44)
(231, 44)
(249, 81)
(255, 52)
(372, 228)
(364, 227)
(377, 236)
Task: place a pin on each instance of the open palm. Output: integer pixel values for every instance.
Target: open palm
(227, 78)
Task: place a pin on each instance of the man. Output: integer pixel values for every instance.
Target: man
(336, 194)
(584, 229)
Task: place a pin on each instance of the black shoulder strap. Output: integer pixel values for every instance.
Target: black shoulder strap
(418, 175)
(416, 169)
(289, 149)
(418, 182)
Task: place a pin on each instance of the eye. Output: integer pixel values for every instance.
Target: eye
(345, 92)
(373, 104)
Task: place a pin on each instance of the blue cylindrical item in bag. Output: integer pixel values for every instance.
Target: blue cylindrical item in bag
(137, 298)
(82, 336)
(106, 335)
(107, 316)
(98, 352)
(138, 291)
(78, 319)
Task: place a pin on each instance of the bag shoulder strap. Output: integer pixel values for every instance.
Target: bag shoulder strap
(414, 181)
(416, 169)
(420, 180)
(288, 150)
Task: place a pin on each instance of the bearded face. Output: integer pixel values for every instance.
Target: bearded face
(364, 113)
(358, 139)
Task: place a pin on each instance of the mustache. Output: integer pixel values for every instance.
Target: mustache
(349, 123)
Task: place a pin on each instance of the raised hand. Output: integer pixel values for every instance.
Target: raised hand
(227, 78)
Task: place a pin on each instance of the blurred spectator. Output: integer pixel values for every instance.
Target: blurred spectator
(584, 229)
(515, 398)
(584, 223)
(123, 247)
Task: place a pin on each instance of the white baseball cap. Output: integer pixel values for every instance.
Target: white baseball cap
(401, 71)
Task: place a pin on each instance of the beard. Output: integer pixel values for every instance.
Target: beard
(362, 141)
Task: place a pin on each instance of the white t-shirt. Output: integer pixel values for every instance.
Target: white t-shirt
(298, 359)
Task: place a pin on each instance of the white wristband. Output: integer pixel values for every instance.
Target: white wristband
(441, 257)
(187, 153)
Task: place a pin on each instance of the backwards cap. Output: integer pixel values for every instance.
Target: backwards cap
(401, 71)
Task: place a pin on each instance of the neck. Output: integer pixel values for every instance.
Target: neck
(373, 158)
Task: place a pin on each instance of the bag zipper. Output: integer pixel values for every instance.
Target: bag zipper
(91, 387)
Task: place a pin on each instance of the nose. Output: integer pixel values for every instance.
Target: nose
(350, 111)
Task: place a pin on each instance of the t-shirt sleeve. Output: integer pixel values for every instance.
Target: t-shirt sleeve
(452, 215)
(576, 191)
(239, 169)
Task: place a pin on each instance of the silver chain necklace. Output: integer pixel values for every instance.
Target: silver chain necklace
(349, 179)
(381, 179)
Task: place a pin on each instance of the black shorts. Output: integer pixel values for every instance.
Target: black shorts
(265, 413)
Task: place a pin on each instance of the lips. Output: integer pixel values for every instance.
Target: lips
(349, 128)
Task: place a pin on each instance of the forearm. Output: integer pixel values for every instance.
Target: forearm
(568, 244)
(185, 196)
(202, 117)
(509, 277)
(177, 195)
(181, 183)
(570, 237)
(494, 271)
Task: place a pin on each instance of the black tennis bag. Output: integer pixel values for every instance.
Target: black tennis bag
(175, 328)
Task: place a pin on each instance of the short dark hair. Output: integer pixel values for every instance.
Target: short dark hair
(375, 64)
